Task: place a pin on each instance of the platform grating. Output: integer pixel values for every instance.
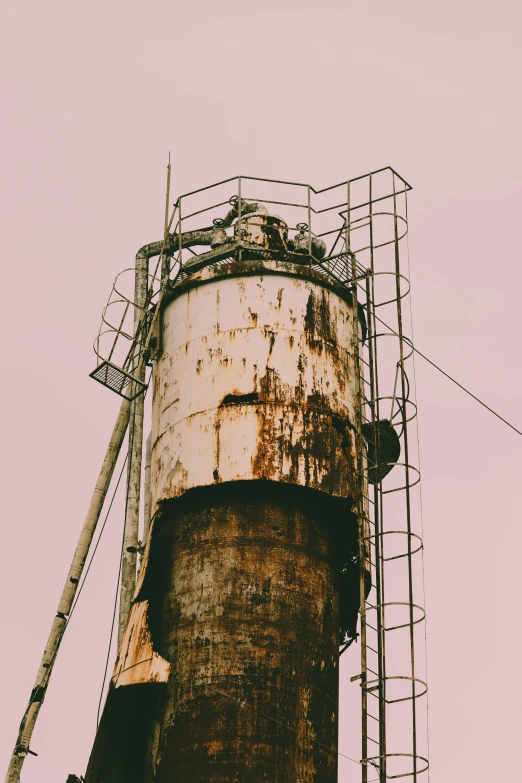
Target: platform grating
(118, 380)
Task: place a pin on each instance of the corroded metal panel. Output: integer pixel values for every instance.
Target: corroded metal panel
(241, 598)
(255, 381)
(137, 661)
(250, 619)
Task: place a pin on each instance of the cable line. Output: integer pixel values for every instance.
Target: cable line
(44, 682)
(463, 388)
(453, 380)
(98, 541)
(115, 607)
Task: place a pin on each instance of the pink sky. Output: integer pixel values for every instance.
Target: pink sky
(95, 97)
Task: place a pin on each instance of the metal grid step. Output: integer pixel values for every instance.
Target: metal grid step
(116, 379)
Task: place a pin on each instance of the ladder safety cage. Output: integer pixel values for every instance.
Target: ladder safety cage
(127, 337)
(392, 616)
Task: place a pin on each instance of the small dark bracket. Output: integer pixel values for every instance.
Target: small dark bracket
(384, 448)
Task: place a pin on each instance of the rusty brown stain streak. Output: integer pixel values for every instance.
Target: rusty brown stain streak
(217, 427)
(319, 322)
(271, 336)
(324, 449)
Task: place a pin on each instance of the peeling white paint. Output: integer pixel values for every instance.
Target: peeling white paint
(137, 662)
(236, 336)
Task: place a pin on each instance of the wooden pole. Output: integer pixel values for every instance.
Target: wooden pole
(22, 747)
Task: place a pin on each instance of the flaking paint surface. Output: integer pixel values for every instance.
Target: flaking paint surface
(255, 382)
(137, 661)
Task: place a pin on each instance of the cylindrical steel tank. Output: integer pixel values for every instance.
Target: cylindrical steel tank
(254, 382)
(234, 636)
(254, 385)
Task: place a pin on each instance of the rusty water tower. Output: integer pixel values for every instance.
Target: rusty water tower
(261, 544)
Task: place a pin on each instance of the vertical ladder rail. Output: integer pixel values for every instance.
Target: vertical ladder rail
(387, 752)
(361, 521)
(377, 504)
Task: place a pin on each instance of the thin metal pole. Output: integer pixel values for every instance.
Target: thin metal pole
(379, 511)
(347, 234)
(22, 747)
(360, 503)
(309, 227)
(180, 249)
(167, 199)
(132, 516)
(377, 490)
(407, 481)
(239, 210)
(165, 262)
(146, 504)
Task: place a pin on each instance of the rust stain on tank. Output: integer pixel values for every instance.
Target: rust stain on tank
(271, 336)
(318, 319)
(217, 427)
(271, 388)
(323, 444)
(323, 450)
(253, 355)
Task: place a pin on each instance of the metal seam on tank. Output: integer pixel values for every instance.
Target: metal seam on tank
(244, 270)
